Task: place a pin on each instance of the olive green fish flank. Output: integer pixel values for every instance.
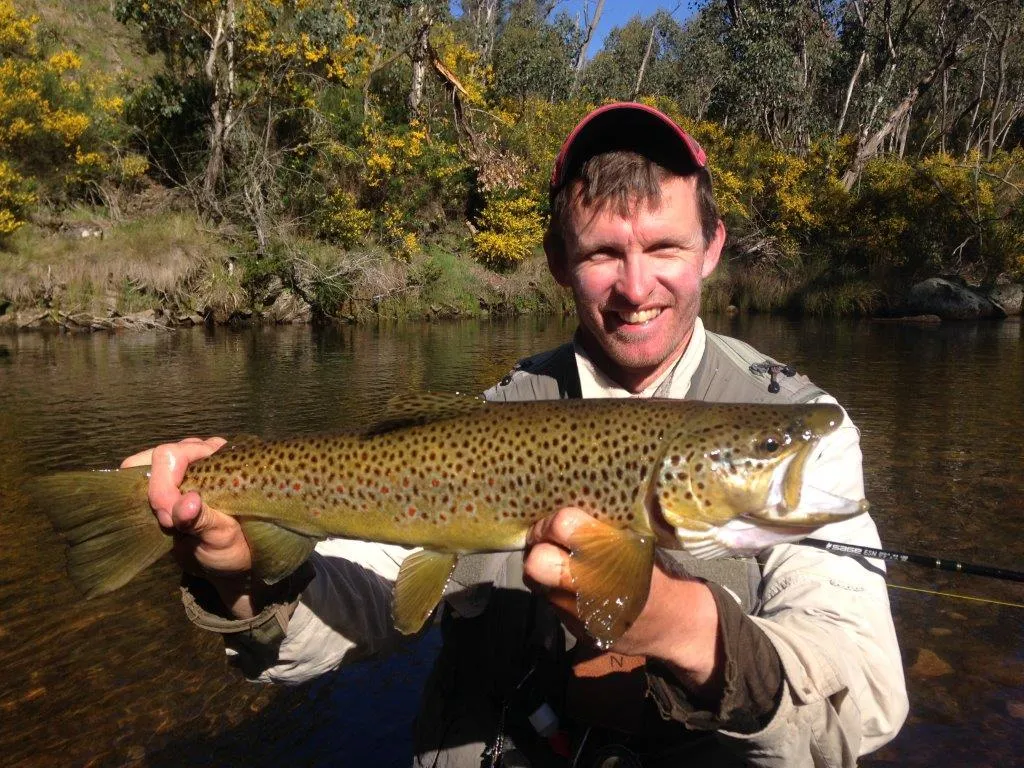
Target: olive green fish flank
(455, 474)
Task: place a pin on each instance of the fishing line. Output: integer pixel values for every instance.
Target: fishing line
(953, 594)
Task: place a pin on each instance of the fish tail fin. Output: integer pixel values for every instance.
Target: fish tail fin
(104, 517)
(611, 571)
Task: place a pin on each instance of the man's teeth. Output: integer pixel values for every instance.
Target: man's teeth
(639, 317)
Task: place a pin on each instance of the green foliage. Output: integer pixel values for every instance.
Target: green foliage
(939, 215)
(318, 146)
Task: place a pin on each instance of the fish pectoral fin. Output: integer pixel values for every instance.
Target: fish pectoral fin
(276, 551)
(419, 587)
(410, 410)
(736, 538)
(611, 572)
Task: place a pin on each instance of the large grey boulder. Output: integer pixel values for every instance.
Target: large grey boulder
(1009, 297)
(950, 301)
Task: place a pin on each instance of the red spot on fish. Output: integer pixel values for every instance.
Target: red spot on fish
(339, 488)
(236, 482)
(435, 482)
(385, 490)
(411, 512)
(297, 486)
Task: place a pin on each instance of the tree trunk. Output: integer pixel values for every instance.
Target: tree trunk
(581, 57)
(220, 70)
(643, 64)
(420, 52)
(870, 147)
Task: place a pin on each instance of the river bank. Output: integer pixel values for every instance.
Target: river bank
(166, 270)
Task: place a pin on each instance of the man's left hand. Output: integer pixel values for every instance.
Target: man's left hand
(678, 624)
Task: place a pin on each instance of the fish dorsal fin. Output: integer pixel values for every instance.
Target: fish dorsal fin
(276, 551)
(418, 588)
(243, 441)
(611, 572)
(424, 408)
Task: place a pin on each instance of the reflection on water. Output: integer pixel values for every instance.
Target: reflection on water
(125, 679)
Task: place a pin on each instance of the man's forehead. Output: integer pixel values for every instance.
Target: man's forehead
(672, 190)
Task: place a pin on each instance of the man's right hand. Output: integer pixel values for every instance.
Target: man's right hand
(207, 543)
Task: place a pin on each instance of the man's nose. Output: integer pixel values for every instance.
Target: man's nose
(636, 279)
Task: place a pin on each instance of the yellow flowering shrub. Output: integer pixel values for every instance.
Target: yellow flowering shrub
(511, 228)
(55, 120)
(15, 199)
(341, 220)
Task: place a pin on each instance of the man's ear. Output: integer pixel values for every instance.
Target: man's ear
(558, 261)
(714, 250)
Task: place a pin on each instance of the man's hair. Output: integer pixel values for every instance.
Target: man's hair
(623, 181)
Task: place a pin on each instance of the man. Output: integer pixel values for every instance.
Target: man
(790, 659)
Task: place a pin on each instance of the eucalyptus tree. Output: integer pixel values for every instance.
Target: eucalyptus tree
(635, 60)
(532, 56)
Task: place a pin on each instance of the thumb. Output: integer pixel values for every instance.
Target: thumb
(189, 515)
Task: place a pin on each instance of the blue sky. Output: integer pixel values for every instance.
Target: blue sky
(618, 12)
(615, 13)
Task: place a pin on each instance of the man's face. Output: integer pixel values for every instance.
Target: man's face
(636, 281)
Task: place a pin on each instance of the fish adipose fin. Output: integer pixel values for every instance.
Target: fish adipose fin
(276, 552)
(611, 572)
(104, 517)
(411, 410)
(419, 587)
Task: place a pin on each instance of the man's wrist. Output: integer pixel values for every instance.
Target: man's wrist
(693, 653)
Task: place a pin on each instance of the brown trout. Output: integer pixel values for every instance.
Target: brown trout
(456, 474)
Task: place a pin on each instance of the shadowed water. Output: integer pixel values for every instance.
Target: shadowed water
(125, 679)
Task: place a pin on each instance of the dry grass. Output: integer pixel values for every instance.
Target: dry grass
(156, 261)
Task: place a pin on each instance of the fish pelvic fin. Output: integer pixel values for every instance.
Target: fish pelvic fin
(411, 410)
(418, 589)
(105, 519)
(611, 572)
(276, 551)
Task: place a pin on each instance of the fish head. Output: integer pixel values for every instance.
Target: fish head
(748, 462)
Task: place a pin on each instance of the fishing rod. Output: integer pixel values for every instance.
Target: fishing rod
(855, 550)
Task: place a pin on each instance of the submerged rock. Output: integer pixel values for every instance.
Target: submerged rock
(951, 301)
(929, 664)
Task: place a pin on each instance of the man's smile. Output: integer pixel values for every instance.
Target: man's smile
(637, 317)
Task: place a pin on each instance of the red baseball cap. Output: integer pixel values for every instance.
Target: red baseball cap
(624, 125)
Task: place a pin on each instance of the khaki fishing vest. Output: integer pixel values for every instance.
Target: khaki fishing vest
(494, 628)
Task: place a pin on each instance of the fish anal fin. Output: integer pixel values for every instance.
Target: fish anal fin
(276, 551)
(611, 572)
(424, 408)
(419, 587)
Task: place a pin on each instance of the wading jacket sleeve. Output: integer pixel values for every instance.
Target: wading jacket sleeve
(827, 616)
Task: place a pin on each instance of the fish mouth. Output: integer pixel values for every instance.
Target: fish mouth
(793, 504)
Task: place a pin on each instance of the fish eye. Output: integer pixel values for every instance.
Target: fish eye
(770, 445)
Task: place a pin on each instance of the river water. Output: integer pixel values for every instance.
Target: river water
(124, 679)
